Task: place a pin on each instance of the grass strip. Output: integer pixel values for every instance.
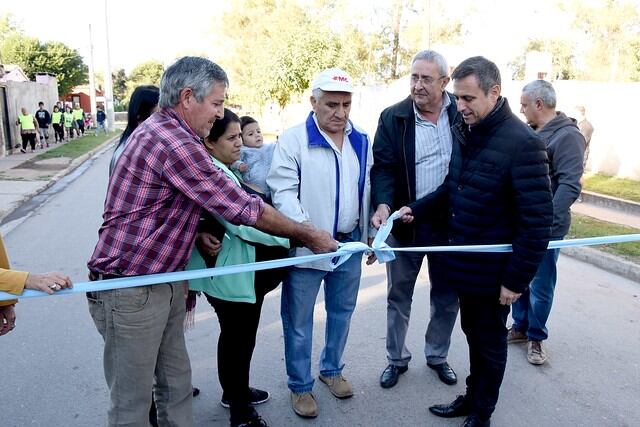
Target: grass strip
(585, 226)
(76, 147)
(622, 188)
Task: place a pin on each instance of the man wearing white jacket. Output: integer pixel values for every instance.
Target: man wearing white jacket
(320, 174)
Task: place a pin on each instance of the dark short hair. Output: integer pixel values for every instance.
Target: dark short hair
(40, 103)
(143, 101)
(246, 120)
(220, 126)
(485, 71)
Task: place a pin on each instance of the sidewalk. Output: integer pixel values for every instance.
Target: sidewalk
(613, 210)
(22, 178)
(27, 181)
(604, 213)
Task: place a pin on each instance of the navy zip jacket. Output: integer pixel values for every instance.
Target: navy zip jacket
(497, 191)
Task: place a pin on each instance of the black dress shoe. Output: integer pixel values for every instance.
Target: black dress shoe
(445, 373)
(457, 408)
(474, 421)
(390, 375)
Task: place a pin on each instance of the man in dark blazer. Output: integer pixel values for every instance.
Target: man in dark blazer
(411, 150)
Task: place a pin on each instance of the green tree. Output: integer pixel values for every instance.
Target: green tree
(562, 56)
(49, 57)
(147, 73)
(612, 28)
(8, 28)
(269, 57)
(295, 64)
(396, 31)
(119, 79)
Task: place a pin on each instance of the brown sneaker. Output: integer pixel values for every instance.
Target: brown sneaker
(536, 354)
(304, 404)
(515, 336)
(338, 386)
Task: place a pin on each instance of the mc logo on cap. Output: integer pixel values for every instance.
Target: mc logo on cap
(333, 80)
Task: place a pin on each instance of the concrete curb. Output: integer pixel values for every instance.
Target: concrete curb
(605, 261)
(75, 163)
(611, 202)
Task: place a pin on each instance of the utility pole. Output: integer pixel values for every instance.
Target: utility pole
(428, 32)
(92, 77)
(108, 84)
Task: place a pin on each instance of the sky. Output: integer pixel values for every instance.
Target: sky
(139, 30)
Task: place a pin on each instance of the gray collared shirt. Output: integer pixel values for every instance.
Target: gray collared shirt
(433, 150)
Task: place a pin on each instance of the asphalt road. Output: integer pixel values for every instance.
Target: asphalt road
(51, 369)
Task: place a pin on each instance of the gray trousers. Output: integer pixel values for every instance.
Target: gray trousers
(401, 280)
(143, 337)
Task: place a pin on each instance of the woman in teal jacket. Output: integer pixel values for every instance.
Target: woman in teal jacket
(236, 298)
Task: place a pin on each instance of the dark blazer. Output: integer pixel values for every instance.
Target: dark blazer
(497, 191)
(393, 175)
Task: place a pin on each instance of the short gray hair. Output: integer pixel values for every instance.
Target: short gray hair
(433, 57)
(193, 72)
(542, 90)
(317, 94)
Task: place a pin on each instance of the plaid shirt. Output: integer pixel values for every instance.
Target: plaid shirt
(155, 196)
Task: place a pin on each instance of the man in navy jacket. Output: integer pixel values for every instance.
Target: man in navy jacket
(497, 191)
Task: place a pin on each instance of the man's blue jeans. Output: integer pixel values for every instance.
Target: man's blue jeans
(531, 311)
(299, 293)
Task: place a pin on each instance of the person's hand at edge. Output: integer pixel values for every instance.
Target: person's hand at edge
(380, 216)
(48, 282)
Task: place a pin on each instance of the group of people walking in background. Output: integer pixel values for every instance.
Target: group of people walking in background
(65, 121)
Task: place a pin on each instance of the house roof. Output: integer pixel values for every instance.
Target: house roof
(14, 73)
(84, 89)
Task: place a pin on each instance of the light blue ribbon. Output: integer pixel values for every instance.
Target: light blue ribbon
(383, 252)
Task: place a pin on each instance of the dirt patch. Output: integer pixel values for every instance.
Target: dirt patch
(54, 164)
(36, 170)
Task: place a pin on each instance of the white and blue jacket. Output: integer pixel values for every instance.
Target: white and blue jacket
(305, 180)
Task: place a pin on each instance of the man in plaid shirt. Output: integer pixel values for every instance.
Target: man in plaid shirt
(157, 190)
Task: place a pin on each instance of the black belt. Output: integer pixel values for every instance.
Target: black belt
(93, 276)
(341, 237)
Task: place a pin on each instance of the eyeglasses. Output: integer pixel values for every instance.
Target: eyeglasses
(425, 80)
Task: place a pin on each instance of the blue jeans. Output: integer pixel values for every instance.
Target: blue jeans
(531, 311)
(99, 126)
(299, 293)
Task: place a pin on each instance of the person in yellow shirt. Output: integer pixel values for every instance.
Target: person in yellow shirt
(15, 282)
(69, 123)
(78, 117)
(28, 126)
(57, 120)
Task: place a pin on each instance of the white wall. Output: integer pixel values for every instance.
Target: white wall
(615, 145)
